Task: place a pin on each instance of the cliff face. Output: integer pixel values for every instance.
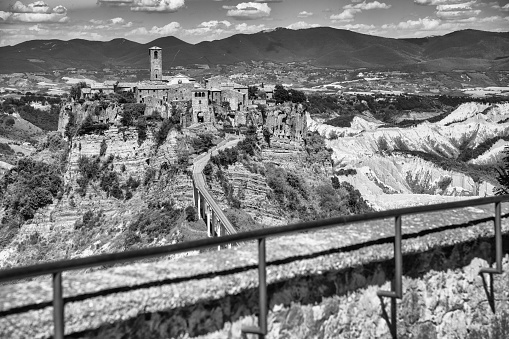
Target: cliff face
(102, 113)
(251, 189)
(387, 177)
(287, 122)
(53, 227)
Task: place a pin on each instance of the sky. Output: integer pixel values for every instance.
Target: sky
(198, 20)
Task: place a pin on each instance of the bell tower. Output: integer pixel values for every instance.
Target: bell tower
(156, 63)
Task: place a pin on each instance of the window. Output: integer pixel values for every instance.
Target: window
(155, 55)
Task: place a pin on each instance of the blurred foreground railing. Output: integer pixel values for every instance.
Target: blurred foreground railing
(56, 268)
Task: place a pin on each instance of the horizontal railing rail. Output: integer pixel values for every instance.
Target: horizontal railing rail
(57, 267)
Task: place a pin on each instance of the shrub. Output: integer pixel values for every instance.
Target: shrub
(444, 182)
(104, 147)
(163, 131)
(141, 127)
(89, 127)
(191, 213)
(131, 113)
(89, 220)
(6, 149)
(152, 223)
(29, 186)
(150, 174)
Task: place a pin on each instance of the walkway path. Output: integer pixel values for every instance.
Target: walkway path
(199, 181)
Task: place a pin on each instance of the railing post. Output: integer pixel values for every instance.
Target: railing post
(398, 258)
(397, 284)
(58, 306)
(261, 330)
(498, 242)
(397, 289)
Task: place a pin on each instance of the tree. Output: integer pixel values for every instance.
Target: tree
(104, 147)
(503, 175)
(131, 113)
(281, 95)
(75, 92)
(316, 150)
(296, 96)
(252, 92)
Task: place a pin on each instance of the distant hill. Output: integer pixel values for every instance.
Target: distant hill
(322, 46)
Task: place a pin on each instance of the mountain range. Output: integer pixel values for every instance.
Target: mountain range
(321, 46)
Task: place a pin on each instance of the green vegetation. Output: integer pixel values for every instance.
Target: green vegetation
(321, 103)
(503, 175)
(24, 190)
(88, 126)
(317, 152)
(89, 220)
(131, 113)
(158, 220)
(141, 128)
(44, 119)
(92, 169)
(282, 95)
(103, 148)
(202, 143)
(75, 92)
(242, 221)
(6, 149)
(468, 153)
(325, 200)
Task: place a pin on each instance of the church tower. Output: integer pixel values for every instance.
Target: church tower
(156, 63)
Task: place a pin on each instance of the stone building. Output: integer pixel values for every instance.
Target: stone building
(156, 63)
(200, 101)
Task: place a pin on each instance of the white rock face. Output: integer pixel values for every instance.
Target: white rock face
(391, 179)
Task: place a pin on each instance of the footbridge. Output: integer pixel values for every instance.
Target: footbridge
(207, 207)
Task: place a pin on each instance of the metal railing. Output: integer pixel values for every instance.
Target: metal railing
(56, 268)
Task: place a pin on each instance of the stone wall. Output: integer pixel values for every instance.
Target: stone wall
(321, 284)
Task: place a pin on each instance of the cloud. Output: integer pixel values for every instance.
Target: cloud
(364, 6)
(245, 28)
(458, 11)
(213, 27)
(170, 29)
(304, 14)
(248, 11)
(346, 15)
(426, 24)
(157, 5)
(35, 12)
(167, 6)
(301, 25)
(351, 10)
(436, 2)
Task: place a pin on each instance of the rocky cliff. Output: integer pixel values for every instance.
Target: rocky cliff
(388, 168)
(52, 233)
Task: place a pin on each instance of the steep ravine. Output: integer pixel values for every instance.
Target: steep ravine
(390, 179)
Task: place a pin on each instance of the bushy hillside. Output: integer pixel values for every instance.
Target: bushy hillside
(265, 192)
(108, 190)
(321, 46)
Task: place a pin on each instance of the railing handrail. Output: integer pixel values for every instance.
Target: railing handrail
(23, 272)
